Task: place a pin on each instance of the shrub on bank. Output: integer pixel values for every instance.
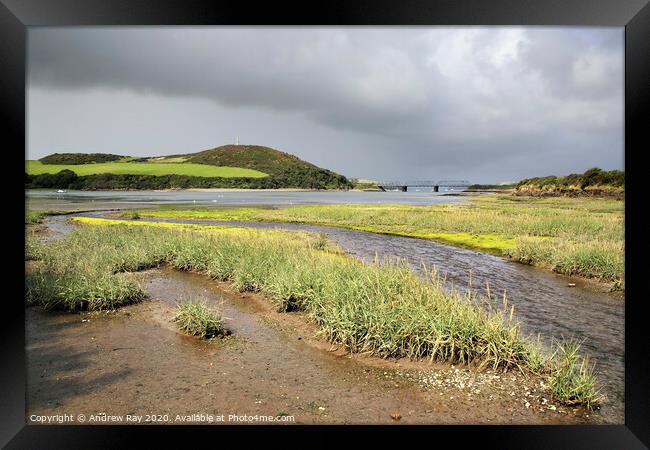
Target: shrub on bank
(595, 180)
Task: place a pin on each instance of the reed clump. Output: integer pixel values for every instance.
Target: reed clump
(571, 376)
(196, 318)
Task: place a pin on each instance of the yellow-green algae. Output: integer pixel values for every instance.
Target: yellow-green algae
(576, 236)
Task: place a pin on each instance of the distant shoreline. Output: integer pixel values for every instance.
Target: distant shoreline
(198, 190)
(251, 190)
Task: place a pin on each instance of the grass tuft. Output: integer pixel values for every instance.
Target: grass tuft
(572, 378)
(197, 319)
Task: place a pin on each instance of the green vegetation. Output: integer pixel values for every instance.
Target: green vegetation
(32, 250)
(381, 309)
(79, 158)
(167, 159)
(593, 182)
(67, 179)
(264, 159)
(197, 319)
(485, 187)
(572, 380)
(135, 168)
(72, 277)
(228, 166)
(362, 183)
(575, 236)
(288, 170)
(33, 216)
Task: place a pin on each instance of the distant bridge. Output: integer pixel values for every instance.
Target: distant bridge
(436, 185)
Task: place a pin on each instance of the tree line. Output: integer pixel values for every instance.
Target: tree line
(303, 179)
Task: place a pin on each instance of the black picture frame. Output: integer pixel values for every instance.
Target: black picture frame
(634, 15)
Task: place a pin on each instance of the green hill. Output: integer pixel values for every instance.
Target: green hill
(277, 164)
(228, 166)
(264, 159)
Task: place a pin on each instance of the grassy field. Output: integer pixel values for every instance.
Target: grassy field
(575, 236)
(151, 168)
(386, 310)
(168, 160)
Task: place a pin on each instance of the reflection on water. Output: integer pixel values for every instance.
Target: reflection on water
(215, 198)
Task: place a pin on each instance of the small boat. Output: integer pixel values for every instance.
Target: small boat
(61, 191)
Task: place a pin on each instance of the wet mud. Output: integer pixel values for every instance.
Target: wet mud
(134, 362)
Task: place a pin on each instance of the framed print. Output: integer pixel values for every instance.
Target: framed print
(370, 214)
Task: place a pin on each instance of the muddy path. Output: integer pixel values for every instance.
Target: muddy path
(133, 361)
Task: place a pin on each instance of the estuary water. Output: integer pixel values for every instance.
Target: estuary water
(53, 199)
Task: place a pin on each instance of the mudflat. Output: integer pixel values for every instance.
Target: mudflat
(133, 362)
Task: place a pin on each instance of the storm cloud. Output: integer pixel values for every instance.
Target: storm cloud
(486, 104)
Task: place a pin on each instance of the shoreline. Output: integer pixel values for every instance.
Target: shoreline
(252, 190)
(195, 190)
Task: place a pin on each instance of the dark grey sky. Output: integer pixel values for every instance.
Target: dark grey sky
(485, 104)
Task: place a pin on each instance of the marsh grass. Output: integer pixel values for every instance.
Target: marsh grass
(538, 360)
(33, 216)
(384, 309)
(196, 318)
(575, 236)
(32, 250)
(571, 376)
(597, 258)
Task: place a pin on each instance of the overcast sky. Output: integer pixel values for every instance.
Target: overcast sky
(483, 104)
